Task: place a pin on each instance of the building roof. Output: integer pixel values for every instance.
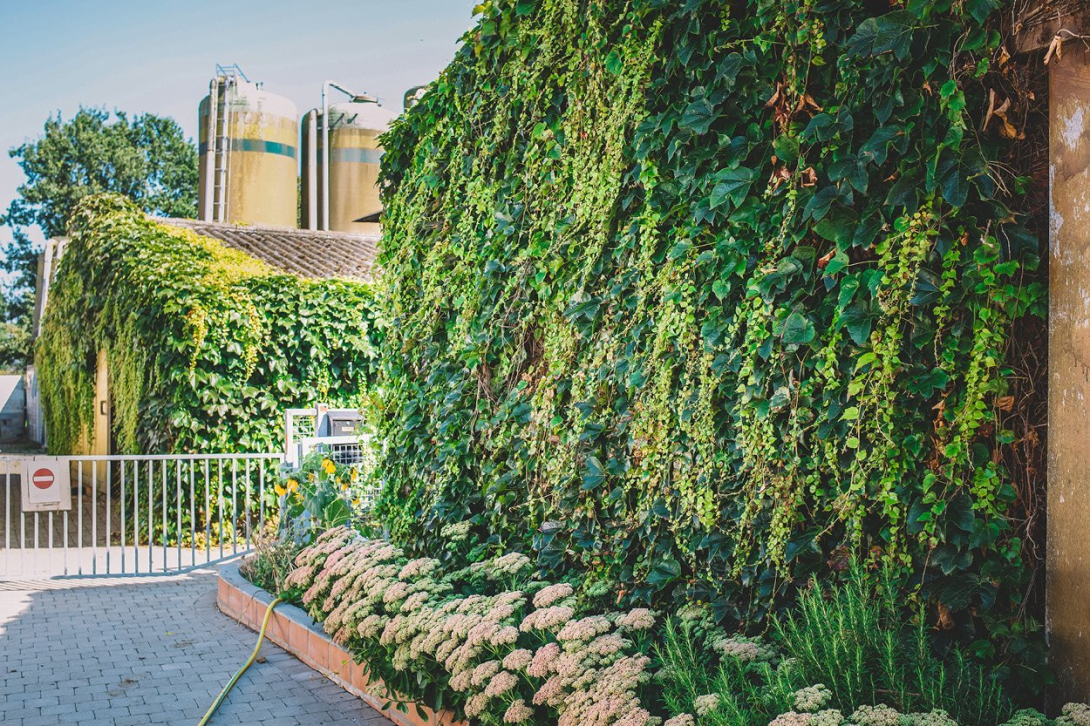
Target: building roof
(303, 252)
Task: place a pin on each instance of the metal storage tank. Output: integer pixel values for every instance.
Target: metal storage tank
(248, 156)
(353, 201)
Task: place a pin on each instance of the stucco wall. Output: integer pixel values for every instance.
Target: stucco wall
(12, 408)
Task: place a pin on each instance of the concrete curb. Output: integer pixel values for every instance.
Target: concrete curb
(294, 631)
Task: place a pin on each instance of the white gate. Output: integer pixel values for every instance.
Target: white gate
(138, 515)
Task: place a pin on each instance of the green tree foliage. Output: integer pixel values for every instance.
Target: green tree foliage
(702, 298)
(206, 346)
(146, 158)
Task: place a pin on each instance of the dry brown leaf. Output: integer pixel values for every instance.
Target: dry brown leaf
(946, 620)
(775, 96)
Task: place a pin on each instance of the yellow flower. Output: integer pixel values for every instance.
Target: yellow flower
(280, 491)
(344, 487)
(292, 485)
(311, 476)
(355, 474)
(329, 467)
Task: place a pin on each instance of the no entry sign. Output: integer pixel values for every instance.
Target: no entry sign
(47, 485)
(43, 479)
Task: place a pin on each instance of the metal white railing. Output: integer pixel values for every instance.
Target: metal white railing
(139, 515)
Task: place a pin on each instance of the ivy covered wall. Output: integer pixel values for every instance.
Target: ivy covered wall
(205, 345)
(704, 298)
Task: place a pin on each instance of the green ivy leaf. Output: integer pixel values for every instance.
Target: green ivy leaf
(839, 262)
(797, 329)
(889, 33)
(733, 184)
(614, 63)
(698, 116)
(849, 168)
(819, 204)
(665, 571)
(729, 68)
(858, 323)
(594, 475)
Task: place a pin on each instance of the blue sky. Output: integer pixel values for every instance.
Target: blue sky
(157, 55)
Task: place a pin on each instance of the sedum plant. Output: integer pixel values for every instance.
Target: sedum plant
(499, 646)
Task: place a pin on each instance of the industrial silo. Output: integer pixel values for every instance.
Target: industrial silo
(352, 203)
(248, 159)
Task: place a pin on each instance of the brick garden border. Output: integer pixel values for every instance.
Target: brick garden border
(294, 631)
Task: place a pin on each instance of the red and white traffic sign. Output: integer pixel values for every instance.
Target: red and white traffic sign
(43, 478)
(47, 485)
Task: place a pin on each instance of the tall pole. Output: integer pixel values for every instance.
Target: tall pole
(325, 144)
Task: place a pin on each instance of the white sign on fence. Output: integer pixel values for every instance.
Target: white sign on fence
(47, 485)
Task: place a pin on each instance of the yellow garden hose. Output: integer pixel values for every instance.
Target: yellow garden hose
(234, 679)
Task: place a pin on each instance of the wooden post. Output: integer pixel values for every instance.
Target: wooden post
(1068, 549)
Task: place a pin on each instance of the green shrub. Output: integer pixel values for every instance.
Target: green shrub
(272, 560)
(704, 298)
(323, 494)
(206, 346)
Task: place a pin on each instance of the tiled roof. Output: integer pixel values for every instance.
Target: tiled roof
(300, 251)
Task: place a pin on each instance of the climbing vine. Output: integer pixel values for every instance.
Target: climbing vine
(205, 346)
(702, 299)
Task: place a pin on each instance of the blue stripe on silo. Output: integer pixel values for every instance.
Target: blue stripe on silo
(256, 145)
(358, 156)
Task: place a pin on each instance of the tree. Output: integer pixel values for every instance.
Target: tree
(147, 158)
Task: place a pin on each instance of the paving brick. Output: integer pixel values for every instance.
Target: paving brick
(150, 652)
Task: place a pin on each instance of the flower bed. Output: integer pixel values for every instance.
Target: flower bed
(496, 646)
(294, 631)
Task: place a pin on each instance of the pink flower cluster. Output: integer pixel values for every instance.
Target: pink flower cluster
(743, 649)
(811, 699)
(516, 659)
(1075, 714)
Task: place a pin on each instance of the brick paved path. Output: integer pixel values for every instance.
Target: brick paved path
(120, 652)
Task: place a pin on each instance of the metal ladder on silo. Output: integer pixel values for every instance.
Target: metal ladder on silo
(221, 184)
